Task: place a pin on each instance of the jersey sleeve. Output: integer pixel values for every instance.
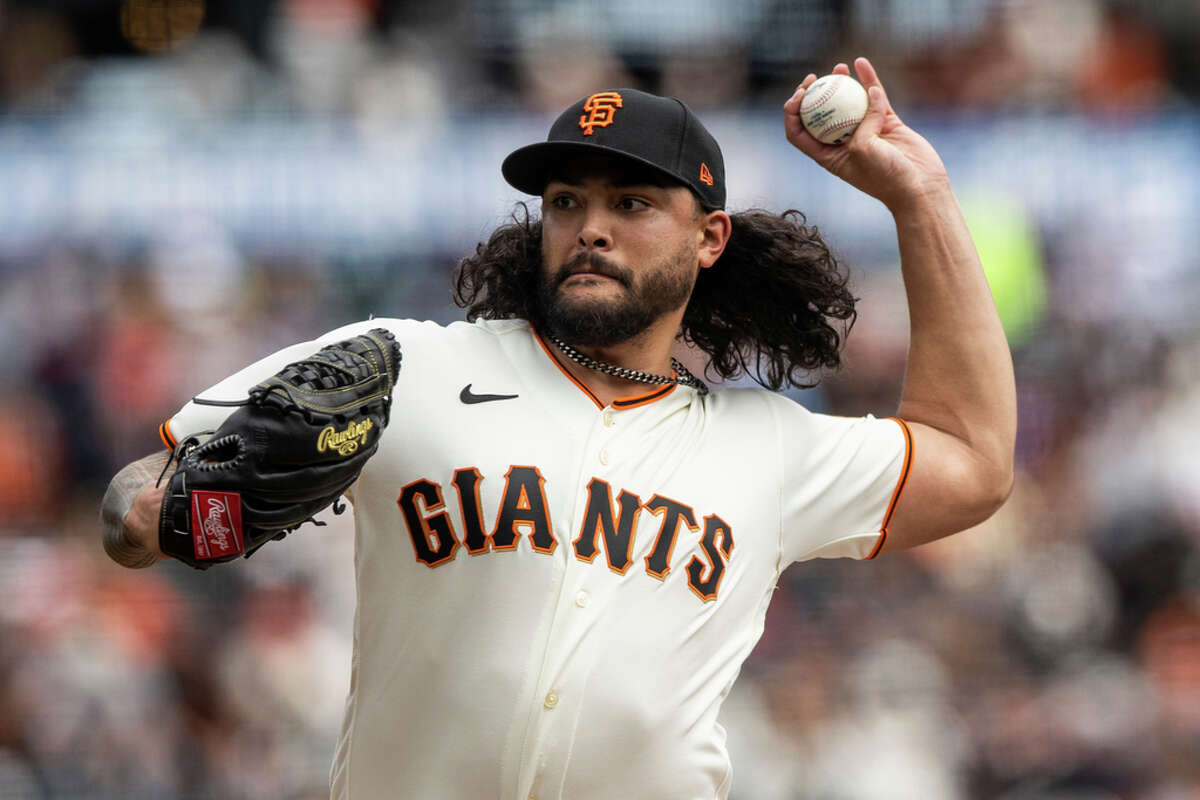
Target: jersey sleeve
(206, 411)
(840, 480)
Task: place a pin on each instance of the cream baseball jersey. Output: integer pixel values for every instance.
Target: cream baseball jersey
(554, 597)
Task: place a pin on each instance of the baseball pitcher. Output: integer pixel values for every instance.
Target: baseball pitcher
(565, 542)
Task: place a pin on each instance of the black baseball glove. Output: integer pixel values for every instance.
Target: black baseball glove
(296, 443)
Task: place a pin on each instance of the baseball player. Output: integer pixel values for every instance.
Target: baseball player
(565, 543)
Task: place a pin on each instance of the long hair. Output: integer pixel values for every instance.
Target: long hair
(775, 305)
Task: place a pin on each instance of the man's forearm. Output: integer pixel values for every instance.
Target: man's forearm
(959, 376)
(123, 490)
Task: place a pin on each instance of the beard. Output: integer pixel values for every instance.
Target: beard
(663, 288)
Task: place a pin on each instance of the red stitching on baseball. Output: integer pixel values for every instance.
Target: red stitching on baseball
(830, 90)
(844, 123)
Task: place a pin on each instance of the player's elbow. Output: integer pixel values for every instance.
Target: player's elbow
(991, 484)
(1002, 474)
(987, 473)
(951, 493)
(999, 489)
(976, 485)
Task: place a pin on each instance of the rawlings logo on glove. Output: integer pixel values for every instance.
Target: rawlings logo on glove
(344, 442)
(216, 524)
(260, 477)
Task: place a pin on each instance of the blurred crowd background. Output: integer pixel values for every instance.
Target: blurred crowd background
(186, 186)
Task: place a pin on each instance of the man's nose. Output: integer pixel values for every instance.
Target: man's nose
(595, 234)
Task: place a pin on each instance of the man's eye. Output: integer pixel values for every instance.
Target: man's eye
(631, 203)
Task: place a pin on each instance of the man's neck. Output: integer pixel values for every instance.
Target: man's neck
(648, 352)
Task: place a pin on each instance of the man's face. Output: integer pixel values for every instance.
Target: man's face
(619, 251)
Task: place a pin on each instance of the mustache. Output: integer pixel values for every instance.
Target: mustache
(593, 262)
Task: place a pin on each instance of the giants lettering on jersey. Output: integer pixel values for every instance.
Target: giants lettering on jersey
(607, 525)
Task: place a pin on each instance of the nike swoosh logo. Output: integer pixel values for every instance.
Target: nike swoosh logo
(469, 397)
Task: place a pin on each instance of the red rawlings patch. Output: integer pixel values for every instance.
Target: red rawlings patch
(216, 524)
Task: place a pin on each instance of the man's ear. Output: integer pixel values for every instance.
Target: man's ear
(714, 234)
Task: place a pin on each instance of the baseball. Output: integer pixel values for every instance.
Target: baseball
(832, 108)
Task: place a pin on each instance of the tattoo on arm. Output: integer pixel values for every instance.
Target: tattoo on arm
(118, 499)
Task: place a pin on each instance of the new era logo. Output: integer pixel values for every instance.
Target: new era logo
(216, 524)
(705, 175)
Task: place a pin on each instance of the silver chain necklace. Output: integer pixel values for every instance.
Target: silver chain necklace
(682, 375)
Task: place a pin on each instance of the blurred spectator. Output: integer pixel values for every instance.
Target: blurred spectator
(561, 61)
(1126, 68)
(34, 44)
(321, 45)
(31, 459)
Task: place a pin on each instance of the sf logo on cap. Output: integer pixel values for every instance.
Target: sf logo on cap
(600, 109)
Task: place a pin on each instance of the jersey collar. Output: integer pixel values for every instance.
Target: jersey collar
(630, 401)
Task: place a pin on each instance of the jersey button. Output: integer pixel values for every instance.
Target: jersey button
(608, 418)
(551, 700)
(582, 598)
(604, 457)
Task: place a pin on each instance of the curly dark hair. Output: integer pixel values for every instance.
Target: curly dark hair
(776, 305)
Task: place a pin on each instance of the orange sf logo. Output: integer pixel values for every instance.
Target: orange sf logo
(600, 109)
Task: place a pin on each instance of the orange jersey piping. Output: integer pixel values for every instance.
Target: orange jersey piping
(563, 368)
(641, 400)
(632, 401)
(887, 517)
(164, 433)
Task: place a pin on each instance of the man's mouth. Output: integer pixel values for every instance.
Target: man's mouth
(586, 273)
(590, 265)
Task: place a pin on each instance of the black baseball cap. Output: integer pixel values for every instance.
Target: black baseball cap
(659, 132)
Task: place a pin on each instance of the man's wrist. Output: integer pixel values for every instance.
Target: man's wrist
(123, 550)
(924, 198)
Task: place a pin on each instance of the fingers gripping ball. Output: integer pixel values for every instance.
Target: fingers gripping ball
(300, 439)
(832, 108)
